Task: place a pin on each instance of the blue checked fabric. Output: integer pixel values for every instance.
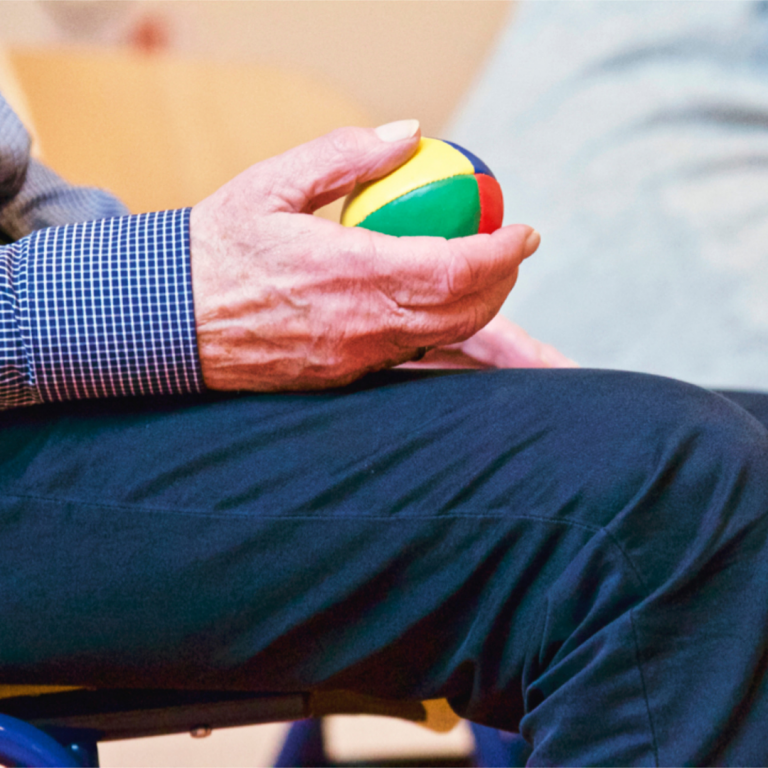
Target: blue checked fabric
(93, 302)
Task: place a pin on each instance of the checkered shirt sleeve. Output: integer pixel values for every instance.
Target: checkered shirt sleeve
(97, 309)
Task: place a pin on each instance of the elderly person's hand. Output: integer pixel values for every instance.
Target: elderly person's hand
(285, 300)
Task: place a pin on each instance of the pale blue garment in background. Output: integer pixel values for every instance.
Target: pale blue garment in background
(634, 136)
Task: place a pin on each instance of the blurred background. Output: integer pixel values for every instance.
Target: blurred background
(396, 59)
(305, 65)
(162, 102)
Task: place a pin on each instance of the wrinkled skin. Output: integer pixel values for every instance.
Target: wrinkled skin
(285, 300)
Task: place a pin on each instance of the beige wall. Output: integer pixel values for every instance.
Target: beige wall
(164, 131)
(408, 58)
(398, 58)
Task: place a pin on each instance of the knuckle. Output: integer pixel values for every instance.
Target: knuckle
(344, 143)
(461, 276)
(473, 321)
(338, 155)
(343, 140)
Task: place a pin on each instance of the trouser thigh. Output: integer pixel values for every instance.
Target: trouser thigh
(533, 544)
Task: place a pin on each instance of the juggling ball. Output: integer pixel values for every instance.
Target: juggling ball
(443, 191)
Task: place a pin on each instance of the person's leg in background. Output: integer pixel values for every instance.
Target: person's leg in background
(755, 403)
(495, 748)
(634, 137)
(579, 553)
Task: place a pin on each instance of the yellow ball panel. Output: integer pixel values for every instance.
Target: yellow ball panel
(433, 160)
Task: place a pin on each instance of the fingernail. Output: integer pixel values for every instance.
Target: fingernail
(398, 131)
(531, 243)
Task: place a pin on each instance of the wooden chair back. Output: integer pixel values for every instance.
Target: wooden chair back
(162, 131)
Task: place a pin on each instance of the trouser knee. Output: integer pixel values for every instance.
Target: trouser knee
(703, 485)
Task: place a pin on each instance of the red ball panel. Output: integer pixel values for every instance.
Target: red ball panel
(491, 204)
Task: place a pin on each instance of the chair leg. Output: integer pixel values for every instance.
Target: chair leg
(303, 746)
(87, 752)
(498, 749)
(21, 744)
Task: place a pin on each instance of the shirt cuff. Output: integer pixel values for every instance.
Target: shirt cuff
(107, 308)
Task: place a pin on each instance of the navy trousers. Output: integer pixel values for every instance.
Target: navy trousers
(580, 555)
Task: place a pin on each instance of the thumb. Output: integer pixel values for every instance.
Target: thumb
(317, 173)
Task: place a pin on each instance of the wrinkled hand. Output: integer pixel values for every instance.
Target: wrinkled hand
(500, 344)
(285, 300)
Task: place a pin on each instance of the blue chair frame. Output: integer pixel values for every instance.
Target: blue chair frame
(63, 729)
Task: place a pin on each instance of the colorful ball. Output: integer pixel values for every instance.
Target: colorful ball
(443, 191)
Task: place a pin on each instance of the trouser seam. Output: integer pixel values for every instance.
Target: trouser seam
(635, 639)
(638, 656)
(356, 515)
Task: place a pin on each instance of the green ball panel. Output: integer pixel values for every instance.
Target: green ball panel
(446, 208)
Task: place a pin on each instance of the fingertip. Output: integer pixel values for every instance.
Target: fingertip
(553, 358)
(532, 243)
(519, 240)
(518, 233)
(399, 130)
